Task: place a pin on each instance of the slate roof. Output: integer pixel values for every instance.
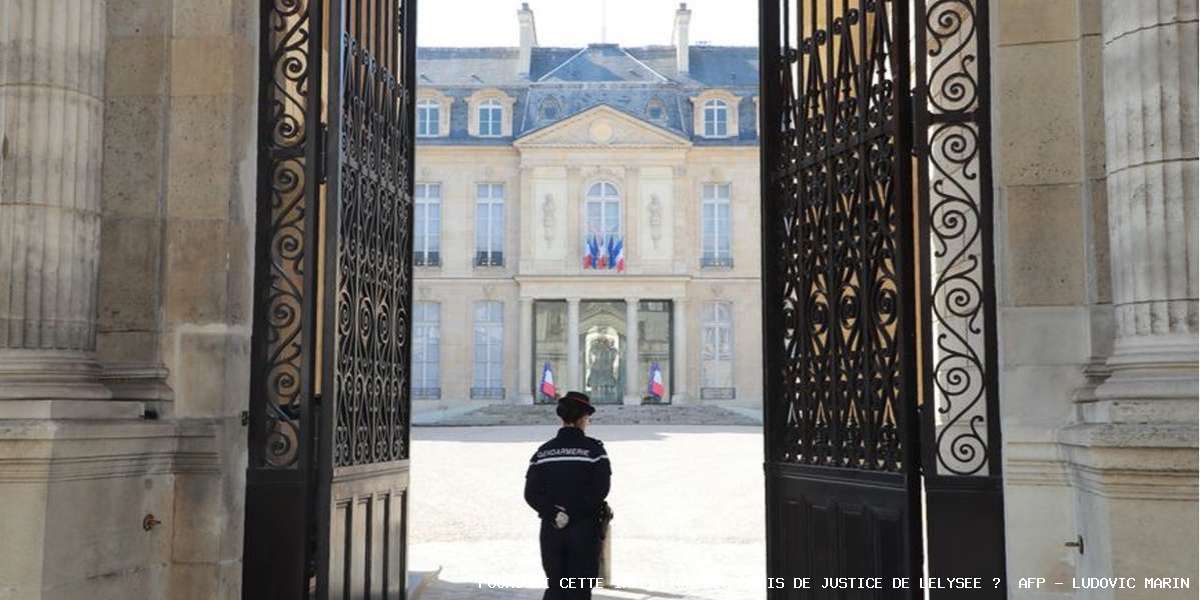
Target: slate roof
(567, 81)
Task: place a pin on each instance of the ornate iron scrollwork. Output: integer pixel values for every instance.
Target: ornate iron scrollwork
(835, 186)
(955, 216)
(284, 233)
(373, 263)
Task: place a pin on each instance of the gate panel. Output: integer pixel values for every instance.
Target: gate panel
(363, 450)
(960, 419)
(839, 328)
(281, 416)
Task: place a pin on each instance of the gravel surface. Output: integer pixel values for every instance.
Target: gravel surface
(688, 503)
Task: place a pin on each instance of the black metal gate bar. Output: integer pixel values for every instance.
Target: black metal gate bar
(839, 329)
(363, 453)
(960, 421)
(281, 416)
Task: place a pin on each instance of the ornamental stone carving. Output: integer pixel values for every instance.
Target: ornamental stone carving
(656, 219)
(548, 218)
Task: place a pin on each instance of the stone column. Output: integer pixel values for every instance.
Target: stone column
(525, 350)
(52, 59)
(573, 374)
(633, 393)
(679, 344)
(1131, 458)
(1150, 84)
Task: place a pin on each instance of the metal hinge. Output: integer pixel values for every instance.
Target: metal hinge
(323, 153)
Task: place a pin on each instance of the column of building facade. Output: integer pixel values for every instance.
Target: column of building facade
(1150, 81)
(525, 353)
(632, 392)
(52, 58)
(679, 393)
(573, 374)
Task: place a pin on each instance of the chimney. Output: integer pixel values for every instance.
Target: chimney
(528, 39)
(682, 17)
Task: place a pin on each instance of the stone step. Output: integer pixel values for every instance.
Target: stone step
(541, 414)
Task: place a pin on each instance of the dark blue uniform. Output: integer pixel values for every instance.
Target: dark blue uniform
(570, 471)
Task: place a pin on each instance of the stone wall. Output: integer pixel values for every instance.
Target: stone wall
(146, 210)
(1080, 460)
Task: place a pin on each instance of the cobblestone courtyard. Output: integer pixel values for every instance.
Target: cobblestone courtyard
(688, 503)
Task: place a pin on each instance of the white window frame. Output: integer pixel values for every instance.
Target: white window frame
(429, 118)
(495, 110)
(427, 224)
(603, 194)
(716, 206)
(489, 225)
(426, 360)
(716, 343)
(716, 118)
(488, 350)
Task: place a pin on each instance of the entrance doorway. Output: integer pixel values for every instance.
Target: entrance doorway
(602, 348)
(878, 296)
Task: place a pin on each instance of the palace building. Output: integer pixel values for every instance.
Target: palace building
(591, 212)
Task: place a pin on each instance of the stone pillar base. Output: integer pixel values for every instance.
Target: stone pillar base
(632, 400)
(50, 375)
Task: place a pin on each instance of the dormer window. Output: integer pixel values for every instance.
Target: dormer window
(433, 113)
(490, 112)
(550, 110)
(428, 118)
(716, 118)
(491, 118)
(656, 111)
(715, 114)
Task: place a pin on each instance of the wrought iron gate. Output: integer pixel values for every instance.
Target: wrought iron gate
(878, 299)
(329, 408)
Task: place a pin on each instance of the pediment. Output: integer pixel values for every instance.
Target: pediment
(601, 127)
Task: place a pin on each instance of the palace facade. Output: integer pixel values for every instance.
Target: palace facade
(565, 195)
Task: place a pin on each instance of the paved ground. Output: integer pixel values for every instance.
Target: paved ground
(688, 503)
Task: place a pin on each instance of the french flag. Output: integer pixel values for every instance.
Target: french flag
(547, 386)
(656, 388)
(616, 253)
(592, 259)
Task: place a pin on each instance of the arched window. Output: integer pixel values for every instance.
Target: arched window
(491, 115)
(602, 224)
(716, 118)
(428, 118)
(656, 111)
(550, 109)
(603, 209)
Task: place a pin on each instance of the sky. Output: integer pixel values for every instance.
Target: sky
(575, 23)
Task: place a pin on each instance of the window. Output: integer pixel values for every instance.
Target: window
(716, 351)
(489, 225)
(602, 222)
(427, 226)
(715, 227)
(656, 111)
(489, 350)
(550, 109)
(490, 117)
(426, 375)
(428, 118)
(716, 118)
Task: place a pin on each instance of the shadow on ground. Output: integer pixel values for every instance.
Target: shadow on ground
(451, 590)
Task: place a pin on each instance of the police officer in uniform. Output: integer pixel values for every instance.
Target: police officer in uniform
(567, 482)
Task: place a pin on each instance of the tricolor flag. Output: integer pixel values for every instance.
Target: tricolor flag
(656, 388)
(547, 386)
(616, 254)
(591, 258)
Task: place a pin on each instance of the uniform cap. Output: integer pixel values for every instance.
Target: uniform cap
(580, 398)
